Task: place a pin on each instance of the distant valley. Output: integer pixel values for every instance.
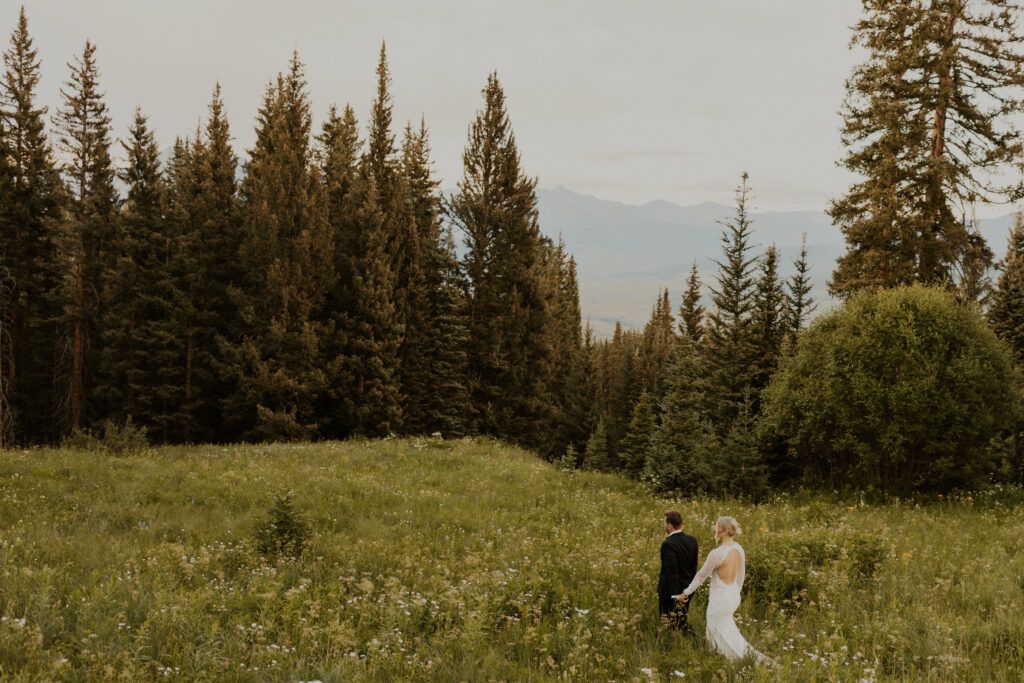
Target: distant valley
(627, 253)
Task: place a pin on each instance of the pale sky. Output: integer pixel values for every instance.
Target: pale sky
(629, 101)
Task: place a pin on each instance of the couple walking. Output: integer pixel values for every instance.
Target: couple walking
(680, 579)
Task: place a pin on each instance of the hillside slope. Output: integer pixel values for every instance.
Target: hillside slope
(451, 560)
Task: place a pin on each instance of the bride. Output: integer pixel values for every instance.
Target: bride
(725, 565)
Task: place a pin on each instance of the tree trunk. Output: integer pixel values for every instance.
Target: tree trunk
(928, 268)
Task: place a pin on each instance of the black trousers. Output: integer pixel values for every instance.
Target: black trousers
(676, 611)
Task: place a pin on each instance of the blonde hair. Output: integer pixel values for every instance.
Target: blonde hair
(729, 526)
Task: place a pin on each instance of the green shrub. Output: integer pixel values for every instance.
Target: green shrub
(898, 390)
(286, 532)
(116, 438)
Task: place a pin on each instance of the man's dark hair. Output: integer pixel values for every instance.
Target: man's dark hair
(674, 518)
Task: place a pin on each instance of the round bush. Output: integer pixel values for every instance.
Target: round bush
(898, 390)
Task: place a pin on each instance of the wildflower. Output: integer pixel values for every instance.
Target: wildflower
(908, 554)
(851, 507)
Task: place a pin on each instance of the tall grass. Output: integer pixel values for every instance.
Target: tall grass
(448, 560)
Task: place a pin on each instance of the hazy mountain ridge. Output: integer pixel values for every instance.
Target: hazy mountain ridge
(626, 253)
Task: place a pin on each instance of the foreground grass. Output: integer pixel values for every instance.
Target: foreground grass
(437, 560)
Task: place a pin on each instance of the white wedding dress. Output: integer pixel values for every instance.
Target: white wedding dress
(721, 630)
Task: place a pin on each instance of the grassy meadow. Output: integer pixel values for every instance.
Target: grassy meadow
(470, 560)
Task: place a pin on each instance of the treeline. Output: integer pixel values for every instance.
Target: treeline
(315, 292)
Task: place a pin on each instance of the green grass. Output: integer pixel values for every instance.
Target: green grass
(474, 561)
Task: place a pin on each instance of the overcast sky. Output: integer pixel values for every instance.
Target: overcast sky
(631, 101)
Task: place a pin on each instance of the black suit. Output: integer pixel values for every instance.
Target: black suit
(678, 566)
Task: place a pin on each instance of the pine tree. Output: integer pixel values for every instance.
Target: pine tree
(372, 404)
(400, 250)
(288, 250)
(691, 312)
(729, 346)
(423, 275)
(657, 341)
(799, 304)
(213, 277)
(571, 372)
(375, 222)
(596, 456)
(636, 442)
(1006, 313)
(7, 297)
(29, 238)
(683, 445)
(886, 135)
(769, 322)
(446, 405)
(83, 128)
(974, 81)
(620, 382)
(338, 151)
(740, 468)
(509, 350)
(140, 347)
(927, 123)
(581, 410)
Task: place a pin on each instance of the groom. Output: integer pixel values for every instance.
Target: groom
(678, 565)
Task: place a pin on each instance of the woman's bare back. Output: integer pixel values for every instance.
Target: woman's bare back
(730, 565)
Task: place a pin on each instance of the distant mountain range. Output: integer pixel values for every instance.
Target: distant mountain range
(626, 253)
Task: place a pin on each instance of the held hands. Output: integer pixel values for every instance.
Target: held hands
(682, 596)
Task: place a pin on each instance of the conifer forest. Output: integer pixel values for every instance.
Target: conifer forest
(401, 377)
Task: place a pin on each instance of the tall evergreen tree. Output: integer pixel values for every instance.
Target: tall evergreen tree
(288, 250)
(581, 408)
(799, 304)
(729, 343)
(339, 151)
(656, 344)
(691, 312)
(973, 77)
(683, 445)
(7, 298)
(446, 405)
(635, 444)
(374, 222)
(83, 129)
(423, 276)
(927, 121)
(567, 350)
(769, 321)
(496, 209)
(139, 291)
(213, 275)
(1006, 313)
(886, 135)
(29, 238)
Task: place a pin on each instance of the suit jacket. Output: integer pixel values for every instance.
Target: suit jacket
(678, 564)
